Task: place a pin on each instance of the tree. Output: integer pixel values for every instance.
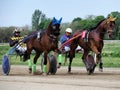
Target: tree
(98, 19)
(77, 19)
(44, 23)
(37, 18)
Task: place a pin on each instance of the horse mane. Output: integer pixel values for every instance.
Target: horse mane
(96, 25)
(48, 30)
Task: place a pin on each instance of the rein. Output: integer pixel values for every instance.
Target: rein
(70, 40)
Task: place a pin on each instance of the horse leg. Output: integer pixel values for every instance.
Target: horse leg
(100, 61)
(57, 54)
(100, 65)
(70, 62)
(34, 62)
(27, 54)
(27, 57)
(71, 55)
(45, 63)
(65, 58)
(98, 58)
(84, 59)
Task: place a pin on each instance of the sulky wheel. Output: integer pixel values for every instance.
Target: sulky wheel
(53, 64)
(91, 63)
(47, 66)
(5, 65)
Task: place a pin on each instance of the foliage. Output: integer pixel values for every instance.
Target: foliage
(37, 17)
(44, 23)
(39, 20)
(88, 23)
(7, 32)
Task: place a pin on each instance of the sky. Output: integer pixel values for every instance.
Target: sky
(19, 12)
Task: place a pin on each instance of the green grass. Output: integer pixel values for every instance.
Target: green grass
(107, 61)
(110, 56)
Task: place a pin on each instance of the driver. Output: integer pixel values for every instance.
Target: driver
(15, 38)
(65, 37)
(20, 48)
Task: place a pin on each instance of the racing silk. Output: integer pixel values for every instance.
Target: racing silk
(64, 38)
(13, 40)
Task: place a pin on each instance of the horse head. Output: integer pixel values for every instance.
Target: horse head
(54, 27)
(109, 26)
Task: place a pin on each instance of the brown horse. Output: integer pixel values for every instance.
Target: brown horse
(94, 42)
(47, 41)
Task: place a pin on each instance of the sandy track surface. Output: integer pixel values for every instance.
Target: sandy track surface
(20, 79)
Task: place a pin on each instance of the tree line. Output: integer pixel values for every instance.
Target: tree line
(41, 22)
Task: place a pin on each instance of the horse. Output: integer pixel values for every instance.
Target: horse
(42, 42)
(92, 41)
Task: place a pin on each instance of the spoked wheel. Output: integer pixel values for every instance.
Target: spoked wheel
(51, 64)
(91, 63)
(5, 65)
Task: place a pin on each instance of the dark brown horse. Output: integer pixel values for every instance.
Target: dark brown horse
(94, 42)
(47, 41)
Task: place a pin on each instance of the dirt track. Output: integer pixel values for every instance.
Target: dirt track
(20, 79)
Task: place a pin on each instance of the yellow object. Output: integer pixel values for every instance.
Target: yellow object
(111, 19)
(16, 38)
(22, 44)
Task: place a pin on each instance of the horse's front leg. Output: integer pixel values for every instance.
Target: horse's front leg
(26, 57)
(71, 55)
(100, 65)
(98, 59)
(34, 62)
(70, 62)
(84, 59)
(45, 63)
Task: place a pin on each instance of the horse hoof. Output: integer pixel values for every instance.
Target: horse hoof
(30, 70)
(90, 71)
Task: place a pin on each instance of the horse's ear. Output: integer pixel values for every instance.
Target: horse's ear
(55, 21)
(110, 18)
(60, 20)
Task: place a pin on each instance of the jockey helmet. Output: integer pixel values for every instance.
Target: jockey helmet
(69, 30)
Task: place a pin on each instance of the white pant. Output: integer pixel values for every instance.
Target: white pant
(68, 48)
(78, 48)
(21, 49)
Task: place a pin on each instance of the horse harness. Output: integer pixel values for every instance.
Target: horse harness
(51, 36)
(86, 36)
